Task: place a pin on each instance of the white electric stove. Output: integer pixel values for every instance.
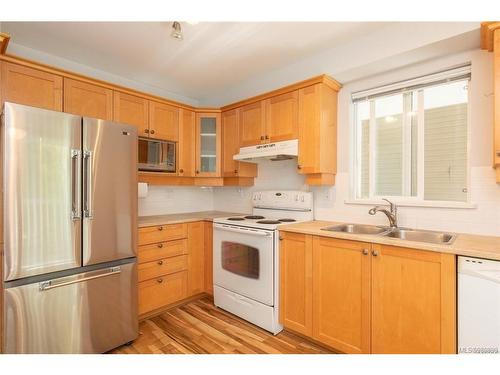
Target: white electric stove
(246, 255)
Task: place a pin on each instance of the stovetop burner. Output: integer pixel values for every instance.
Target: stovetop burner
(286, 220)
(254, 217)
(269, 222)
(236, 218)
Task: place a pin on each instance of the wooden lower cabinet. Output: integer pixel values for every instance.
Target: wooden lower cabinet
(196, 258)
(159, 292)
(296, 282)
(368, 298)
(209, 278)
(172, 264)
(413, 301)
(341, 294)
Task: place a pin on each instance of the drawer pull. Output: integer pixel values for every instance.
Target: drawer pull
(160, 245)
(375, 253)
(365, 251)
(160, 262)
(160, 228)
(159, 281)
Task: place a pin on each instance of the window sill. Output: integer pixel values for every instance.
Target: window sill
(402, 203)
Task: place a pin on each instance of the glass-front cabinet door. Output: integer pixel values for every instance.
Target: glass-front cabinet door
(208, 144)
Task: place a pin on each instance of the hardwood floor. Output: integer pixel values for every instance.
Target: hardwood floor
(199, 327)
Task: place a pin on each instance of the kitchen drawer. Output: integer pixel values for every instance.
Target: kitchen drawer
(162, 291)
(162, 267)
(160, 233)
(161, 250)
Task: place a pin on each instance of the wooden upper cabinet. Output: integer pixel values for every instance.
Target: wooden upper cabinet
(318, 133)
(187, 143)
(196, 258)
(252, 124)
(341, 294)
(208, 145)
(131, 110)
(85, 99)
(413, 301)
(32, 87)
(230, 142)
(163, 121)
(296, 256)
(231, 147)
(282, 117)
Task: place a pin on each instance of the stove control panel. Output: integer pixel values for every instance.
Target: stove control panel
(283, 199)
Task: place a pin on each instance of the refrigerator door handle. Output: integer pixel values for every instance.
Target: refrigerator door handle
(56, 283)
(87, 184)
(75, 185)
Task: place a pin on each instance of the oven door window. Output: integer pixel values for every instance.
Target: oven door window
(242, 260)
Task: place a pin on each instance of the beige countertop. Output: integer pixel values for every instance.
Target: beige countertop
(147, 221)
(465, 244)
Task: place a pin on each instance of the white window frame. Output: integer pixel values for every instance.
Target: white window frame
(418, 200)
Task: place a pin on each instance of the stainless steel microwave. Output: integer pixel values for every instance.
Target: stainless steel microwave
(156, 155)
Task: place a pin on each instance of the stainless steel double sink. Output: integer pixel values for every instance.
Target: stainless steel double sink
(398, 233)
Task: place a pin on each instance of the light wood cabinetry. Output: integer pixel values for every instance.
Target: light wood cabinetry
(231, 147)
(282, 117)
(296, 282)
(131, 110)
(318, 134)
(208, 145)
(413, 301)
(252, 124)
(163, 121)
(368, 298)
(172, 259)
(187, 144)
(341, 294)
(23, 85)
(196, 258)
(208, 245)
(85, 99)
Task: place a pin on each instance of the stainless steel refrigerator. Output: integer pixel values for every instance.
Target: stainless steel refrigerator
(69, 232)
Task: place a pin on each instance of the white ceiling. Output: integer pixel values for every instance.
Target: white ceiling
(213, 57)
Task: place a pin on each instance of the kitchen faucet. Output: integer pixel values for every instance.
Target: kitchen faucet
(392, 215)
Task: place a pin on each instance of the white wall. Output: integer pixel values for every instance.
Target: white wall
(330, 202)
(273, 175)
(163, 200)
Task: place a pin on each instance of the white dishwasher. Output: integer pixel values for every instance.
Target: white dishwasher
(478, 305)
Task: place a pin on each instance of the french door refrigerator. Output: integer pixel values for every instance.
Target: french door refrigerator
(69, 232)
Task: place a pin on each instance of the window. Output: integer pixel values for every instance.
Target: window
(411, 139)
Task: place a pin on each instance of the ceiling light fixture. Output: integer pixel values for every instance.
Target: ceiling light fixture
(176, 31)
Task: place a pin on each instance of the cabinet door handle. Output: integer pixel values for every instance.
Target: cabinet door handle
(375, 253)
(159, 281)
(160, 245)
(299, 166)
(365, 251)
(181, 170)
(281, 238)
(152, 131)
(262, 138)
(146, 131)
(160, 228)
(267, 137)
(197, 172)
(160, 262)
(235, 171)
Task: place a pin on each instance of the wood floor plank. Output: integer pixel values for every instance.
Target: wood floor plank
(199, 327)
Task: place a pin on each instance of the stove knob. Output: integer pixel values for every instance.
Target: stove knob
(296, 197)
(302, 199)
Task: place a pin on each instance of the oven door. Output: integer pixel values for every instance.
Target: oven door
(244, 261)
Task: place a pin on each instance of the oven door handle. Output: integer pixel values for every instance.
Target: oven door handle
(253, 232)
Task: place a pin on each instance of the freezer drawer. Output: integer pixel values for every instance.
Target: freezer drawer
(90, 312)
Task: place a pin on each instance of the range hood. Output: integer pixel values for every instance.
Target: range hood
(271, 151)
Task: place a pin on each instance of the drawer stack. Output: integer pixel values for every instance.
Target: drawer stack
(163, 265)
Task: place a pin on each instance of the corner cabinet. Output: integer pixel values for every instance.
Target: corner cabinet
(360, 297)
(208, 145)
